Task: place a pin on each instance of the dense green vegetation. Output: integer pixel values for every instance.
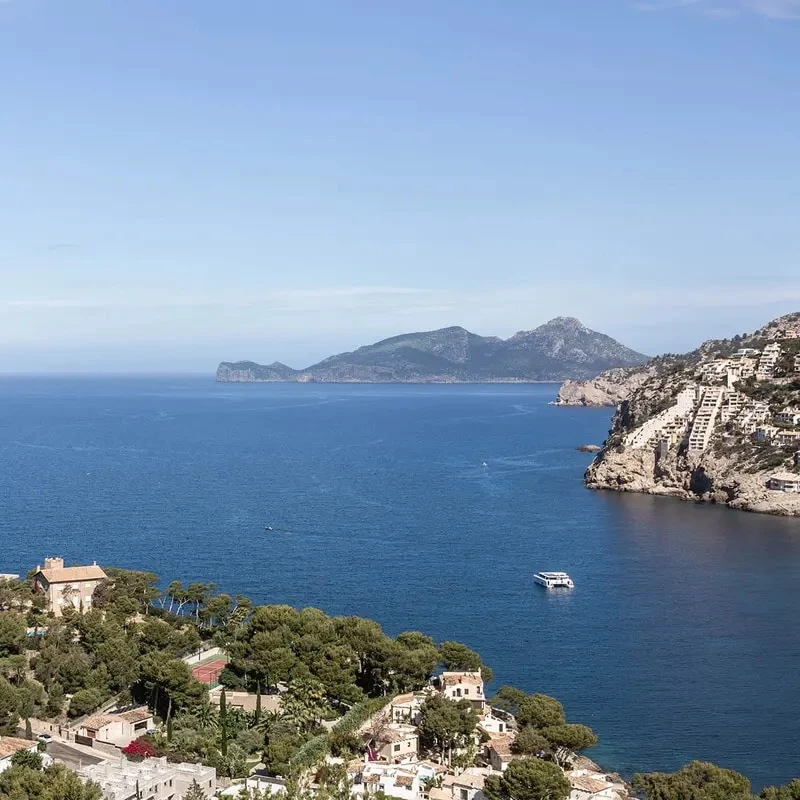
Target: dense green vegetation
(128, 648)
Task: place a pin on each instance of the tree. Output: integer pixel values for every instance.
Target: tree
(788, 792)
(696, 781)
(9, 708)
(85, 701)
(27, 759)
(540, 711)
(223, 722)
(509, 698)
(567, 739)
(530, 742)
(305, 705)
(457, 656)
(445, 724)
(194, 792)
(528, 779)
(13, 634)
(56, 781)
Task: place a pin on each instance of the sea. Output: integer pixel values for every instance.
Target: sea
(430, 508)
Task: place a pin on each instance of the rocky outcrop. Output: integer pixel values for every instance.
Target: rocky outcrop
(609, 388)
(560, 349)
(709, 426)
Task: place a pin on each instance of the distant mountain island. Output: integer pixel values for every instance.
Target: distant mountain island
(561, 349)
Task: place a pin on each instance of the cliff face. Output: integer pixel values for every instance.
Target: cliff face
(609, 388)
(721, 424)
(562, 348)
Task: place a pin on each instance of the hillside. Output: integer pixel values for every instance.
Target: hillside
(720, 424)
(560, 349)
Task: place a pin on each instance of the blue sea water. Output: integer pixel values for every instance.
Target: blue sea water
(680, 640)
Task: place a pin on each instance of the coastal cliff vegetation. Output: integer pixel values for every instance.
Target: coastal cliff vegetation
(331, 674)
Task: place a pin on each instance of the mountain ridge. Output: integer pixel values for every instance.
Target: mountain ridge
(560, 349)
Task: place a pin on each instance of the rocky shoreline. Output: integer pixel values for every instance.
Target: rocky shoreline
(708, 480)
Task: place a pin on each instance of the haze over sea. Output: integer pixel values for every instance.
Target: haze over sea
(680, 640)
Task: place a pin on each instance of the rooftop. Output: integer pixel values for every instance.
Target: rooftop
(97, 721)
(9, 745)
(784, 475)
(587, 784)
(73, 574)
(136, 715)
(454, 678)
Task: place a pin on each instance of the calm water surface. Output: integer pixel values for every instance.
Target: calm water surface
(680, 641)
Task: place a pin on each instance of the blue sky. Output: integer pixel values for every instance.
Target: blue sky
(187, 181)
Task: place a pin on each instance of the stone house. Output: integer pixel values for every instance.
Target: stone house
(67, 586)
(466, 786)
(498, 753)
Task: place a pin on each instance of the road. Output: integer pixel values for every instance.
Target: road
(73, 757)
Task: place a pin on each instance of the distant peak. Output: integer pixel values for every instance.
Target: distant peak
(564, 322)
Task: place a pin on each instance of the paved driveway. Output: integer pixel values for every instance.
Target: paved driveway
(73, 757)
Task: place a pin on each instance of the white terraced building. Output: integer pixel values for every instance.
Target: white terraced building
(667, 424)
(703, 426)
(769, 358)
(733, 403)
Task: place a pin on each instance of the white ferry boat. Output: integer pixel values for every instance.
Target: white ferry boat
(554, 580)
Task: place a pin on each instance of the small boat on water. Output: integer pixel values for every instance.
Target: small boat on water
(554, 580)
(268, 528)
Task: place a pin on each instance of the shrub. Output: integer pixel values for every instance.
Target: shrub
(139, 749)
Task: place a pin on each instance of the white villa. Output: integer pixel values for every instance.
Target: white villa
(463, 686)
(784, 482)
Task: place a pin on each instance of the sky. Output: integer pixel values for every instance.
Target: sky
(187, 181)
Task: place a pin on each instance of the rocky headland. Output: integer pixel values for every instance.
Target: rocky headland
(720, 424)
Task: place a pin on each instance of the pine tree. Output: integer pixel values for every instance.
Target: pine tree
(194, 792)
(223, 722)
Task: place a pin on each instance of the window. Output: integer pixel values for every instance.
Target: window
(464, 795)
(397, 748)
(466, 692)
(458, 692)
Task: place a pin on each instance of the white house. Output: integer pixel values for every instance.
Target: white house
(466, 786)
(118, 729)
(585, 786)
(391, 741)
(403, 781)
(784, 482)
(405, 708)
(151, 779)
(498, 753)
(10, 746)
(789, 416)
(463, 686)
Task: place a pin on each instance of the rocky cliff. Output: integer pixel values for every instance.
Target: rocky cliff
(721, 424)
(560, 349)
(609, 388)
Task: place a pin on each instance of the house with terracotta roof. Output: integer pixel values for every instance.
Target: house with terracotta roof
(118, 729)
(406, 707)
(463, 686)
(67, 586)
(391, 742)
(10, 746)
(468, 785)
(591, 787)
(497, 752)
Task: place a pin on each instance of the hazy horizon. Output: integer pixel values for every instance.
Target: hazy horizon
(186, 184)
